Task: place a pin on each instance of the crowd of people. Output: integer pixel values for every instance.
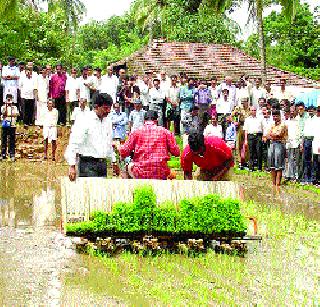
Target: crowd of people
(265, 127)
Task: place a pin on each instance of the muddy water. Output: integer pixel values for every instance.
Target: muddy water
(33, 253)
(38, 266)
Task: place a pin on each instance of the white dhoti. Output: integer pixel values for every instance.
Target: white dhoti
(41, 111)
(50, 133)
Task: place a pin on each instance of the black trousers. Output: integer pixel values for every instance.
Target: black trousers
(307, 160)
(222, 120)
(5, 133)
(255, 150)
(60, 104)
(28, 111)
(316, 168)
(91, 167)
(265, 154)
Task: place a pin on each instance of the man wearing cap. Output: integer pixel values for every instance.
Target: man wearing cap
(211, 154)
(10, 78)
(91, 140)
(136, 117)
(151, 147)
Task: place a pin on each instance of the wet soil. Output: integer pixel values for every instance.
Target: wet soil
(39, 266)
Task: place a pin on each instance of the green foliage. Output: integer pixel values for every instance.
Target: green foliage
(35, 36)
(291, 44)
(165, 217)
(179, 23)
(203, 215)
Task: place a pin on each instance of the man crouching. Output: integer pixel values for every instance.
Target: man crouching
(211, 154)
(150, 146)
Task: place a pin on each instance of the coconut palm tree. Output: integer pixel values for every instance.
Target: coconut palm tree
(256, 14)
(74, 9)
(147, 13)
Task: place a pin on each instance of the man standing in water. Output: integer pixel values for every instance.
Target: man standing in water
(91, 139)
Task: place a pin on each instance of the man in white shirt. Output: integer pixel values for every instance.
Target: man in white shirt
(145, 85)
(9, 114)
(293, 145)
(282, 92)
(109, 83)
(253, 138)
(311, 130)
(258, 92)
(316, 147)
(213, 129)
(231, 88)
(85, 85)
(242, 92)
(91, 139)
(28, 86)
(80, 112)
(164, 81)
(10, 79)
(42, 93)
(224, 108)
(172, 109)
(72, 93)
(157, 97)
(96, 84)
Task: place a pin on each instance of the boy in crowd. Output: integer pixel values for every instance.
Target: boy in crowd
(136, 117)
(50, 133)
(119, 121)
(9, 117)
(231, 133)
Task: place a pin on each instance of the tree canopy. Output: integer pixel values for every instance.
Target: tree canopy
(292, 45)
(58, 36)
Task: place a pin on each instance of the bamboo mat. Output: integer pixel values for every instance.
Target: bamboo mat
(86, 195)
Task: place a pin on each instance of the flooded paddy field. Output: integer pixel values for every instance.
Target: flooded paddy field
(39, 266)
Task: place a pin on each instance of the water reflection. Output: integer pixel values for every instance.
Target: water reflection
(29, 194)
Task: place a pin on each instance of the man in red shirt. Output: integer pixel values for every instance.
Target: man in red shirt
(151, 146)
(57, 87)
(211, 154)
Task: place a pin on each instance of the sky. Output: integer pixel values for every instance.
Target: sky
(104, 9)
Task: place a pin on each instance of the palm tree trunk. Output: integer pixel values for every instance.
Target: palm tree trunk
(150, 26)
(262, 45)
